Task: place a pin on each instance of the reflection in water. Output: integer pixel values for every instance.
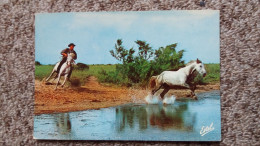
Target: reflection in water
(162, 117)
(178, 122)
(127, 117)
(63, 123)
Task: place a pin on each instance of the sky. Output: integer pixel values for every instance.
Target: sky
(96, 33)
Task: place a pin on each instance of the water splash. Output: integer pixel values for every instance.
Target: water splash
(169, 100)
(152, 99)
(137, 95)
(156, 99)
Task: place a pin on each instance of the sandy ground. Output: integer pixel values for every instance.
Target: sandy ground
(94, 96)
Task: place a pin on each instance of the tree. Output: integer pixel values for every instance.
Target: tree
(120, 52)
(145, 51)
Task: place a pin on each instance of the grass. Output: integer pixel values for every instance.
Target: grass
(95, 69)
(43, 71)
(80, 76)
(213, 73)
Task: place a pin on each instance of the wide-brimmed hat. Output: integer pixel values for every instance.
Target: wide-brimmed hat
(71, 44)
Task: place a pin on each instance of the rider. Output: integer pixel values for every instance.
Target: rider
(65, 54)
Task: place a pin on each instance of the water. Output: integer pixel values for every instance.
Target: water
(156, 99)
(181, 121)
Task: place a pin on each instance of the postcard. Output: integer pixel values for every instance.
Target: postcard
(128, 76)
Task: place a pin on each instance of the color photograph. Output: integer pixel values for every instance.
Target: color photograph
(128, 76)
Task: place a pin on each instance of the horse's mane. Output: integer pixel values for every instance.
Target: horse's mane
(189, 63)
(192, 61)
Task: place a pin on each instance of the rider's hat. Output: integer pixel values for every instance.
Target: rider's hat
(71, 44)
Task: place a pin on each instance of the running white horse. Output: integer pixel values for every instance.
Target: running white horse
(171, 79)
(65, 70)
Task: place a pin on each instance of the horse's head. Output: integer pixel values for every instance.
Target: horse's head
(199, 67)
(70, 58)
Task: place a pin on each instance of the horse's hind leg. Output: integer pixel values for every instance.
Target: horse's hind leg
(54, 78)
(50, 76)
(57, 82)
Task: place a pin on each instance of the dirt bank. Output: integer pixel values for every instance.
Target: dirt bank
(93, 96)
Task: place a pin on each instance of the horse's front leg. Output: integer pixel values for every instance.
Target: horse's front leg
(189, 87)
(66, 77)
(192, 87)
(193, 91)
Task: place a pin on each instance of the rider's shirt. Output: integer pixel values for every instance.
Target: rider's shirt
(67, 51)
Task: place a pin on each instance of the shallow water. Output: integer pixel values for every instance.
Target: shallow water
(181, 121)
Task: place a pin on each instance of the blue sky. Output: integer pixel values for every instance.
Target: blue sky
(95, 33)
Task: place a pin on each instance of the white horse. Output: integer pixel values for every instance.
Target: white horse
(65, 70)
(171, 79)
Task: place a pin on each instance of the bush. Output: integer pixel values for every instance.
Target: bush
(167, 59)
(137, 68)
(37, 63)
(81, 66)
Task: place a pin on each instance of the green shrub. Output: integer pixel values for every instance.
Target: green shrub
(37, 63)
(109, 77)
(81, 66)
(138, 67)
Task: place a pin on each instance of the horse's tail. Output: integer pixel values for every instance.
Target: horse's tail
(152, 82)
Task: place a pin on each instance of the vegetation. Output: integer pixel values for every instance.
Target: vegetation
(103, 73)
(213, 73)
(135, 68)
(81, 66)
(37, 63)
(78, 75)
(138, 67)
(42, 71)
